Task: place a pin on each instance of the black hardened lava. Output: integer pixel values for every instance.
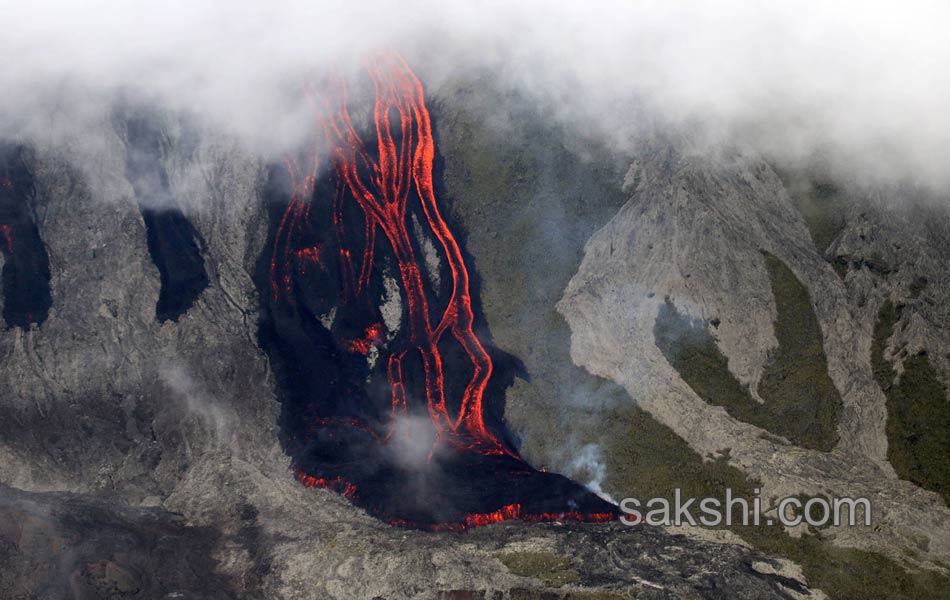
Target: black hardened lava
(173, 242)
(26, 275)
(353, 382)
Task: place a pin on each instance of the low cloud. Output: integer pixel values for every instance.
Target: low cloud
(864, 83)
(198, 405)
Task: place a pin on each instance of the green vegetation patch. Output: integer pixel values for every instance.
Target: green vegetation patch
(527, 206)
(528, 195)
(648, 460)
(819, 204)
(845, 573)
(801, 402)
(796, 380)
(552, 570)
(918, 414)
(653, 460)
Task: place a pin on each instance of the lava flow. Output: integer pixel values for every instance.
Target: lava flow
(385, 383)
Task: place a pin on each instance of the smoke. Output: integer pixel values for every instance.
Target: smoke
(864, 83)
(413, 442)
(199, 406)
(587, 465)
(414, 451)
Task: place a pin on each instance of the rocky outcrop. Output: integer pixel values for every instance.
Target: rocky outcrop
(140, 456)
(692, 234)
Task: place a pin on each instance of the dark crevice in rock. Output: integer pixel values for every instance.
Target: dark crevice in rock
(26, 274)
(173, 243)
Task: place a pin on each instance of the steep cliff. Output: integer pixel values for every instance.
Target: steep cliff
(140, 453)
(675, 317)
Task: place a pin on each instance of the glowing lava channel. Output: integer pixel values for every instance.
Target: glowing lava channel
(383, 184)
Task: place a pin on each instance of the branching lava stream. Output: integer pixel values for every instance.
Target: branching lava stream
(390, 412)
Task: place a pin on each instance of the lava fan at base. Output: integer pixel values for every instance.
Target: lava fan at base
(388, 394)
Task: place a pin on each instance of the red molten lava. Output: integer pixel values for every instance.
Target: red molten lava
(511, 512)
(373, 336)
(7, 232)
(309, 256)
(506, 513)
(374, 189)
(381, 188)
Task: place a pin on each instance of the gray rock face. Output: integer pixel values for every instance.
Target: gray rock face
(136, 448)
(134, 394)
(60, 545)
(693, 231)
(67, 545)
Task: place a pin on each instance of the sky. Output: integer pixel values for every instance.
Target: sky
(863, 82)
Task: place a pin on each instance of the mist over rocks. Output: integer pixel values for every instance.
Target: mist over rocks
(600, 162)
(862, 82)
(144, 424)
(691, 236)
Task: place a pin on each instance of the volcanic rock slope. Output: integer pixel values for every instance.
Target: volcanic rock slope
(698, 233)
(139, 457)
(736, 325)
